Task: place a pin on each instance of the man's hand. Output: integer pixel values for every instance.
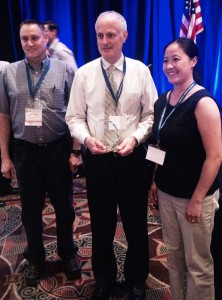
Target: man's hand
(127, 146)
(95, 146)
(8, 169)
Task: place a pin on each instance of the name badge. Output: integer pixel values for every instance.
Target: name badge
(33, 117)
(119, 122)
(156, 155)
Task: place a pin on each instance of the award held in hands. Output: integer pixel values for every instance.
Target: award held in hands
(107, 132)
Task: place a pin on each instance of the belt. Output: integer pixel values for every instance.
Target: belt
(41, 146)
(114, 153)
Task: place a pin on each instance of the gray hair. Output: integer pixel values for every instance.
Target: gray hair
(118, 16)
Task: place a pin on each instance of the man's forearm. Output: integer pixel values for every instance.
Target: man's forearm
(5, 130)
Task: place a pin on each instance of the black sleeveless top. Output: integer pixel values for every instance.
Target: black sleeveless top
(182, 142)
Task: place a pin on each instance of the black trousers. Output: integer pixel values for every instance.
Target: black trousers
(41, 169)
(4, 182)
(123, 182)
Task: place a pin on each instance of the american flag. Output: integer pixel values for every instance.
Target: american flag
(192, 22)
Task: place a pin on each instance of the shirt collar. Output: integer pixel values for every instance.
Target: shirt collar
(40, 66)
(118, 65)
(54, 43)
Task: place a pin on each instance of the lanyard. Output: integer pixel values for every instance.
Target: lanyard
(37, 86)
(119, 91)
(162, 122)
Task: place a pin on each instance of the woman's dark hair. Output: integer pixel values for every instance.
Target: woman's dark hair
(191, 50)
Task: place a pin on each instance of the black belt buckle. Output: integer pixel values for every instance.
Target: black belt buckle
(115, 154)
(43, 146)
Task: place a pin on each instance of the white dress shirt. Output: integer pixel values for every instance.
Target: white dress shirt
(3, 64)
(87, 99)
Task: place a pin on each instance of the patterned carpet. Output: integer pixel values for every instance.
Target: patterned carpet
(54, 284)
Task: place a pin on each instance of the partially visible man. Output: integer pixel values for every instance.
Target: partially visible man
(116, 174)
(5, 186)
(57, 49)
(34, 95)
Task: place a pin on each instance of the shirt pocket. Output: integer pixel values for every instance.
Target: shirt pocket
(53, 98)
(131, 102)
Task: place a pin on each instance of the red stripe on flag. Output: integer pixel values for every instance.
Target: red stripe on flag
(192, 22)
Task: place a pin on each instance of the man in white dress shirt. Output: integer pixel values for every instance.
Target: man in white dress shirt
(57, 49)
(118, 176)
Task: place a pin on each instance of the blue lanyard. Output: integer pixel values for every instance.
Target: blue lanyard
(162, 122)
(119, 91)
(37, 86)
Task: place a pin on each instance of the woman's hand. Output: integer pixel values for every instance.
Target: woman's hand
(152, 194)
(193, 211)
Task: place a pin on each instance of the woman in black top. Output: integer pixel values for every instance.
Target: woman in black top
(187, 133)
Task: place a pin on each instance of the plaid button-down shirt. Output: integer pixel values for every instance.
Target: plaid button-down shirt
(52, 97)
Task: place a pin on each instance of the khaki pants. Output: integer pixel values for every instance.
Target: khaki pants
(190, 263)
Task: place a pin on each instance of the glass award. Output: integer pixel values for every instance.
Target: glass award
(107, 133)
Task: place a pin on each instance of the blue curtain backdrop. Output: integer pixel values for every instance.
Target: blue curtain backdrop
(151, 25)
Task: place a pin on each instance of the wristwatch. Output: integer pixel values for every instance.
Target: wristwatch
(76, 152)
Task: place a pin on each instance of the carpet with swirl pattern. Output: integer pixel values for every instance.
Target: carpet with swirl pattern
(54, 284)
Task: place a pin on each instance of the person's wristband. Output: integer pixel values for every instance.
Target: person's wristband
(76, 152)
